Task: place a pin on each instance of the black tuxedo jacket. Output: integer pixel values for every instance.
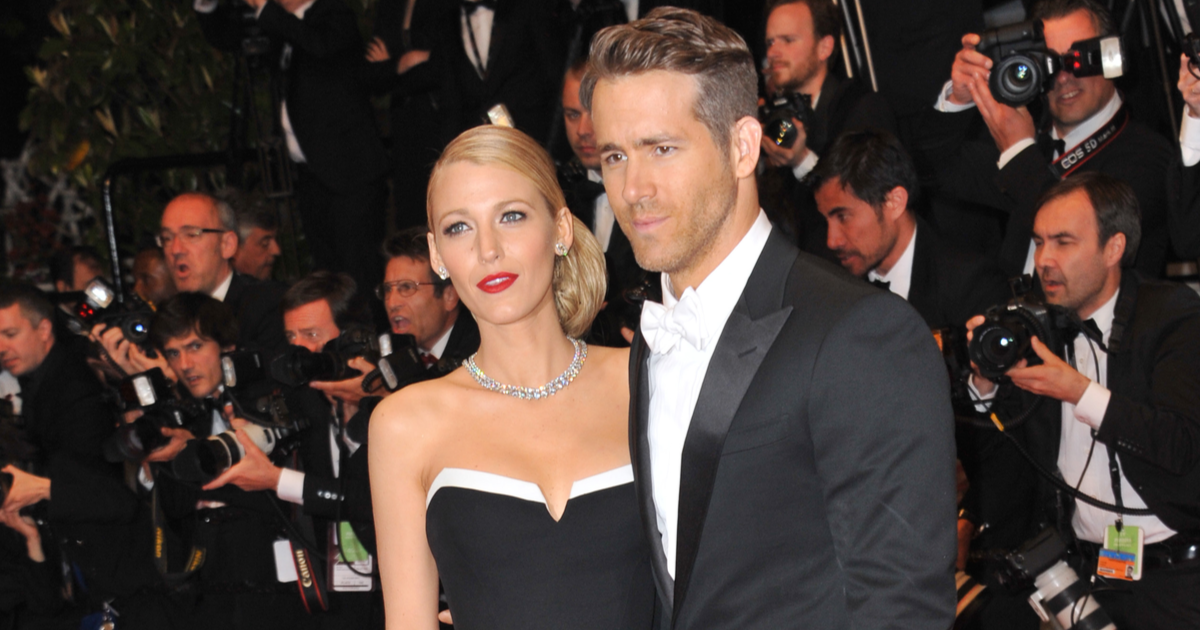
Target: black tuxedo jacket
(1183, 184)
(623, 270)
(67, 419)
(1153, 418)
(844, 105)
(464, 337)
(324, 84)
(818, 470)
(950, 286)
(525, 66)
(966, 171)
(256, 305)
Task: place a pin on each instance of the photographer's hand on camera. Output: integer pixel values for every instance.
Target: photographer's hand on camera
(778, 156)
(128, 356)
(969, 66)
(25, 526)
(969, 84)
(1054, 378)
(254, 472)
(167, 452)
(349, 391)
(26, 489)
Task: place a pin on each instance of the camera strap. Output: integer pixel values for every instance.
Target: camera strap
(1073, 158)
(195, 556)
(1114, 471)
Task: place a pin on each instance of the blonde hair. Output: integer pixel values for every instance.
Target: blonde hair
(580, 278)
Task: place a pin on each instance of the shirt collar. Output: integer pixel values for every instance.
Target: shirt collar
(439, 348)
(1091, 125)
(899, 276)
(299, 12)
(223, 289)
(595, 176)
(1105, 314)
(720, 291)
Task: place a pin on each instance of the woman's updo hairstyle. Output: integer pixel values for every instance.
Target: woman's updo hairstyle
(580, 278)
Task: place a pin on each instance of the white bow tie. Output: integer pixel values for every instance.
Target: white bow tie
(663, 328)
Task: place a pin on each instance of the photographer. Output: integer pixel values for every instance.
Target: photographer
(1184, 182)
(65, 421)
(236, 586)
(1087, 129)
(198, 236)
(801, 37)
(325, 116)
(257, 232)
(1122, 424)
(151, 279)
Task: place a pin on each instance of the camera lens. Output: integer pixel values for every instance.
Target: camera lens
(1016, 80)
(1019, 75)
(1000, 346)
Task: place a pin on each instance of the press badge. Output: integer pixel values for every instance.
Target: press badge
(1121, 557)
(351, 566)
(285, 565)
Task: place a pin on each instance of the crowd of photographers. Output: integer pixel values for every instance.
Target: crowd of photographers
(193, 454)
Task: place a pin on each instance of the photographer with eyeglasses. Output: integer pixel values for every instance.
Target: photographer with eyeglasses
(198, 236)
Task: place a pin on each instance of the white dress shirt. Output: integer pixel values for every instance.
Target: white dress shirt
(1078, 421)
(479, 24)
(440, 347)
(10, 389)
(676, 376)
(222, 289)
(603, 217)
(899, 276)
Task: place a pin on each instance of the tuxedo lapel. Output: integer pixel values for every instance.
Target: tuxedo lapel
(501, 30)
(744, 342)
(639, 453)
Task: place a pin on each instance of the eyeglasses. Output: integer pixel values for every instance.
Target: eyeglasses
(190, 235)
(403, 288)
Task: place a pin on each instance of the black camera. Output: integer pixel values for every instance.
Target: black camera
(271, 427)
(400, 364)
(100, 306)
(161, 408)
(1040, 565)
(297, 366)
(1023, 67)
(1004, 338)
(776, 116)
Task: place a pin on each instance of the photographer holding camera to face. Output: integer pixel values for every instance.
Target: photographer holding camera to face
(85, 514)
(806, 108)
(1114, 358)
(1066, 57)
(236, 424)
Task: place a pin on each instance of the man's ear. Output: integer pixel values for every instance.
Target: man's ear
(45, 330)
(449, 298)
(229, 244)
(747, 140)
(895, 204)
(1114, 250)
(825, 48)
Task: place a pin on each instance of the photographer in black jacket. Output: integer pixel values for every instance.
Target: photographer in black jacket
(65, 421)
(1123, 423)
(1006, 174)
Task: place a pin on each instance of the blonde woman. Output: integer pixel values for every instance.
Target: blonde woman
(510, 477)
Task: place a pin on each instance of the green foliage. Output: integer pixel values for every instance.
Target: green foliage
(130, 78)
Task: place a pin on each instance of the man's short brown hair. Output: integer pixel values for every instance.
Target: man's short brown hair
(681, 40)
(825, 17)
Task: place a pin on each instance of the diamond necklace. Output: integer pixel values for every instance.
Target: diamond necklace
(531, 393)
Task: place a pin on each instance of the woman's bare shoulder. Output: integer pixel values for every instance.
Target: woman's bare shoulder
(418, 413)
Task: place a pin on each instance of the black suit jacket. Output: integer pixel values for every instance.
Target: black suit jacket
(464, 337)
(817, 473)
(67, 419)
(966, 171)
(949, 286)
(324, 84)
(256, 305)
(844, 105)
(1153, 418)
(1183, 183)
(524, 68)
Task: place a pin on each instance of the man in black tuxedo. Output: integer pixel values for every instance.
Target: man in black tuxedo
(801, 36)
(866, 187)
(1008, 174)
(325, 118)
(1123, 422)
(491, 52)
(790, 426)
(66, 420)
(584, 189)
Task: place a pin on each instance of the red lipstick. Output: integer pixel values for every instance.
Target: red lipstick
(497, 282)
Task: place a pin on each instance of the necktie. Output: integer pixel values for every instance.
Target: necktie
(663, 328)
(428, 359)
(1050, 147)
(1092, 330)
(469, 6)
(882, 284)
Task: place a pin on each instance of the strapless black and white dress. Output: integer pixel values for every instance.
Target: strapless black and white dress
(505, 563)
